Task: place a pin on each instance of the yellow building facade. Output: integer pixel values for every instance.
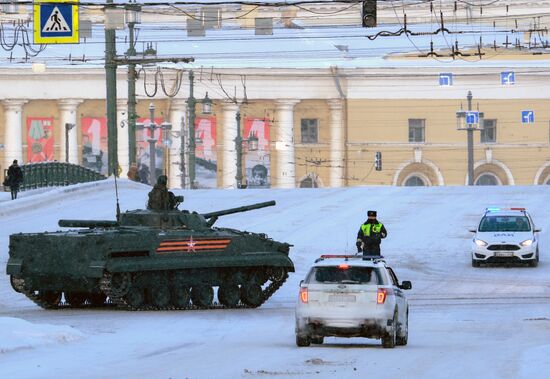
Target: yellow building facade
(324, 127)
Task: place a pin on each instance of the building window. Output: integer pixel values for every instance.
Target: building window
(414, 181)
(416, 129)
(309, 130)
(489, 131)
(487, 180)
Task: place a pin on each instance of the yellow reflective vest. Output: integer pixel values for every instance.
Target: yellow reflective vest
(368, 228)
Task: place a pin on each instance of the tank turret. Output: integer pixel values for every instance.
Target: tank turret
(149, 259)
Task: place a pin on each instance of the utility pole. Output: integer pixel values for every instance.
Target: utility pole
(112, 61)
(470, 132)
(470, 118)
(191, 102)
(182, 153)
(110, 77)
(206, 109)
(239, 150)
(131, 98)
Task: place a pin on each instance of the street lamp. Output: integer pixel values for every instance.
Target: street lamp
(206, 109)
(470, 120)
(152, 140)
(133, 16)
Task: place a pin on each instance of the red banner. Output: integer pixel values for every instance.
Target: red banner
(257, 154)
(40, 139)
(94, 143)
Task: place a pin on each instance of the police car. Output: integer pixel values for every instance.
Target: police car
(505, 235)
(352, 296)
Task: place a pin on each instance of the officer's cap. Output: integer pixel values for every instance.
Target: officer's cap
(371, 213)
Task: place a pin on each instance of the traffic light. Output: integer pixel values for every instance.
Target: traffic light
(368, 14)
(378, 161)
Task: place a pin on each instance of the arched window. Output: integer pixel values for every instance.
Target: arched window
(487, 180)
(414, 181)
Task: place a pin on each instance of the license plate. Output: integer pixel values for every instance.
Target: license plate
(341, 298)
(504, 254)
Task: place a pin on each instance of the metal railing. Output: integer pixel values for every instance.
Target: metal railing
(50, 174)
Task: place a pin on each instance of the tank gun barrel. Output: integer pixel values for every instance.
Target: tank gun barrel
(238, 209)
(87, 223)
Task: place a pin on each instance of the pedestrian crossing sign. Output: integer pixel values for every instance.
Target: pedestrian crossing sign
(55, 21)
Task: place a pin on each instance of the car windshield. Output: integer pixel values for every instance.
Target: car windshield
(348, 275)
(504, 224)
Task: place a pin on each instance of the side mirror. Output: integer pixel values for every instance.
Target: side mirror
(538, 230)
(406, 285)
(472, 230)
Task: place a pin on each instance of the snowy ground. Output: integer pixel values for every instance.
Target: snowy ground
(464, 322)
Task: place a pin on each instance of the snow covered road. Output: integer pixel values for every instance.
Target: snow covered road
(464, 322)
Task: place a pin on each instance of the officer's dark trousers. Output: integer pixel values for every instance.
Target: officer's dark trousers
(371, 250)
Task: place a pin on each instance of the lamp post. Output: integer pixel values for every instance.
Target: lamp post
(206, 109)
(470, 119)
(152, 140)
(239, 150)
(133, 17)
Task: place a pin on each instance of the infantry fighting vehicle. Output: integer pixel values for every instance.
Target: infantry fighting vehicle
(149, 260)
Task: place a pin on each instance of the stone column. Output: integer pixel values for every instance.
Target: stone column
(177, 119)
(13, 133)
(67, 109)
(284, 143)
(229, 153)
(337, 143)
(123, 148)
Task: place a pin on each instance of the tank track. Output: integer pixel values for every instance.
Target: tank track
(117, 297)
(19, 286)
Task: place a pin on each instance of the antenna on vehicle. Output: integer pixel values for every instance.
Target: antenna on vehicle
(116, 193)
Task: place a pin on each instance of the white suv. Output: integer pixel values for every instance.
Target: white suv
(505, 235)
(352, 296)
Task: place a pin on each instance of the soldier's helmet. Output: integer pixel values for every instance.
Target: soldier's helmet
(162, 180)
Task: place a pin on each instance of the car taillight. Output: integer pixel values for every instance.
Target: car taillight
(303, 295)
(383, 294)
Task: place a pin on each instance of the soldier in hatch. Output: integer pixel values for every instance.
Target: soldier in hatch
(160, 199)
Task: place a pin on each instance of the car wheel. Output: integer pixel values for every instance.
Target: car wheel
(302, 341)
(534, 263)
(475, 263)
(389, 340)
(317, 340)
(403, 333)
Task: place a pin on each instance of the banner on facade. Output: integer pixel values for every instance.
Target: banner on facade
(40, 139)
(257, 155)
(94, 144)
(206, 161)
(144, 149)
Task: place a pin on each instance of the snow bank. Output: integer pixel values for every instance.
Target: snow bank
(17, 334)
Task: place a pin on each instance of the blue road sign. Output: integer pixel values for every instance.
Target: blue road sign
(527, 117)
(55, 21)
(446, 79)
(472, 118)
(507, 78)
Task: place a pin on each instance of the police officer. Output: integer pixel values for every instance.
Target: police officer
(160, 199)
(370, 235)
